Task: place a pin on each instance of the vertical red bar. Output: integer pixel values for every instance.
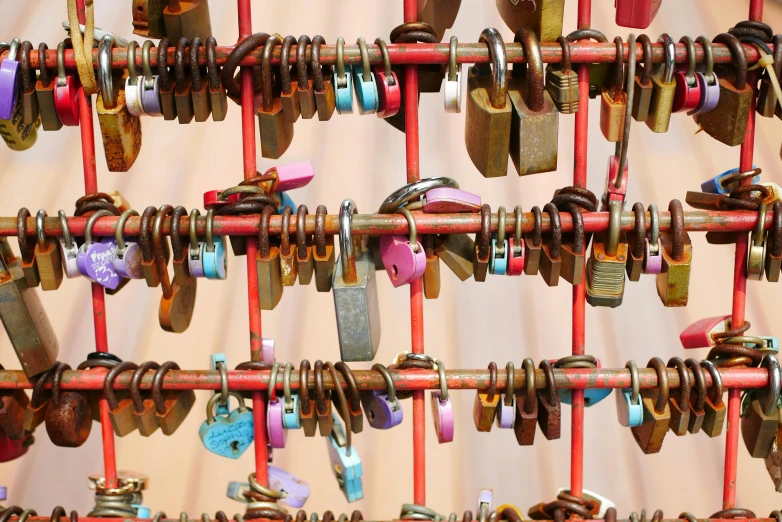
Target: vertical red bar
(416, 288)
(98, 295)
(579, 291)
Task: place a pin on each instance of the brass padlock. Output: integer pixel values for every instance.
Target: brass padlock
(613, 103)
(187, 18)
(487, 128)
(68, 414)
(663, 89)
(756, 251)
(457, 251)
(533, 245)
(147, 254)
(48, 256)
(325, 100)
(759, 423)
(323, 252)
(714, 408)
(727, 122)
(535, 119)
(218, 98)
(431, 278)
(44, 90)
(605, 281)
(166, 81)
(173, 407)
(183, 93)
(679, 398)
(120, 130)
(199, 92)
(674, 280)
(28, 98)
(275, 132)
(289, 267)
(484, 409)
(309, 423)
(482, 248)
(120, 410)
(697, 399)
(642, 95)
(304, 80)
(148, 18)
(657, 412)
(573, 250)
(268, 263)
(543, 17)
(773, 262)
(637, 238)
(562, 81)
(143, 408)
(304, 248)
(322, 402)
(26, 250)
(551, 260)
(289, 95)
(179, 294)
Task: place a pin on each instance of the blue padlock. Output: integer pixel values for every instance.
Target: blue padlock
(629, 408)
(345, 462)
(728, 181)
(283, 200)
(498, 260)
(217, 359)
(215, 258)
(591, 395)
(343, 81)
(227, 435)
(291, 414)
(365, 83)
(142, 511)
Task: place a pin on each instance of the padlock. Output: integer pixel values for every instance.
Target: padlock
(323, 406)
(489, 115)
(188, 19)
(147, 252)
(729, 180)
(268, 262)
(26, 250)
(562, 81)
(638, 241)
(179, 294)
(756, 255)
(629, 410)
(549, 407)
(599, 73)
(10, 82)
(68, 414)
(707, 80)
(697, 399)
(134, 84)
(148, 18)
(727, 122)
(382, 407)
(535, 119)
(304, 248)
(636, 13)
(773, 261)
(657, 413)
(323, 252)
(700, 334)
(714, 408)
(287, 177)
(653, 259)
(643, 89)
(66, 92)
(307, 411)
(572, 251)
(127, 261)
(526, 423)
(304, 80)
(404, 259)
(290, 89)
(688, 89)
(48, 256)
(345, 463)
(68, 248)
(16, 134)
(321, 82)
(498, 255)
(96, 260)
(664, 89)
(24, 317)
(28, 100)
(543, 17)
(516, 260)
(760, 422)
(347, 402)
(613, 103)
(442, 409)
(13, 407)
(679, 399)
(289, 267)
(506, 411)
(13, 449)
(452, 93)
(199, 93)
(439, 14)
(482, 250)
(276, 133)
(121, 131)
(214, 258)
(364, 82)
(355, 293)
(183, 93)
(166, 82)
(676, 249)
(227, 435)
(343, 83)
(35, 413)
(768, 102)
(276, 433)
(173, 407)
(431, 277)
(605, 281)
(151, 101)
(533, 246)
(551, 260)
(457, 251)
(485, 406)
(218, 99)
(120, 409)
(291, 412)
(44, 91)
(389, 89)
(143, 408)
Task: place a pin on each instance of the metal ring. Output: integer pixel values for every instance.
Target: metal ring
(224, 392)
(519, 216)
(61, 64)
(708, 57)
(362, 48)
(386, 61)
(210, 218)
(118, 232)
(531, 395)
(510, 383)
(662, 383)
(614, 227)
(774, 383)
(413, 191)
(149, 81)
(635, 383)
(341, 78)
(493, 39)
(195, 251)
(130, 51)
(738, 176)
(390, 389)
(346, 211)
(195, 70)
(91, 223)
(443, 381)
(239, 189)
(691, 61)
(39, 217)
(760, 229)
(411, 225)
(670, 57)
(501, 224)
(105, 73)
(452, 50)
(13, 49)
(255, 485)
(286, 384)
(654, 226)
(273, 383)
(716, 378)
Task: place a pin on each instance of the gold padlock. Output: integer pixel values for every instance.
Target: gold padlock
(664, 89)
(613, 103)
(275, 132)
(148, 18)
(543, 17)
(562, 81)
(674, 279)
(188, 18)
(642, 95)
(325, 101)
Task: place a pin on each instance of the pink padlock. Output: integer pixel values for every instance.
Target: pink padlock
(267, 351)
(612, 193)
(636, 13)
(700, 333)
(447, 200)
(404, 259)
(288, 177)
(516, 248)
(442, 409)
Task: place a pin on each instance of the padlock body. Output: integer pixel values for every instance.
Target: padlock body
(357, 310)
(488, 129)
(121, 133)
(674, 281)
(543, 17)
(190, 21)
(662, 105)
(727, 122)
(534, 140)
(457, 251)
(651, 433)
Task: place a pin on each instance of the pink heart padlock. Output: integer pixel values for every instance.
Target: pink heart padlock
(447, 200)
(442, 413)
(404, 263)
(289, 177)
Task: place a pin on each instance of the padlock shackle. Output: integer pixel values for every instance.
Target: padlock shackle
(266, 71)
(666, 76)
(635, 386)
(118, 236)
(493, 39)
(108, 382)
(739, 57)
(413, 191)
(774, 383)
(685, 387)
(531, 395)
(646, 48)
(285, 72)
(346, 243)
(677, 229)
(135, 383)
(716, 396)
(662, 383)
(614, 227)
(535, 77)
(105, 74)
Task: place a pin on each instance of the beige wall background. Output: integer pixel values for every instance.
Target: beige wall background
(468, 326)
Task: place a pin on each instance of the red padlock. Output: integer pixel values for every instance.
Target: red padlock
(688, 89)
(13, 449)
(212, 199)
(66, 91)
(612, 193)
(636, 13)
(389, 92)
(699, 334)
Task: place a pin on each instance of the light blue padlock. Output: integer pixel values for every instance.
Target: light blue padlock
(291, 414)
(343, 83)
(365, 83)
(213, 255)
(729, 181)
(629, 409)
(284, 200)
(142, 511)
(591, 395)
(498, 260)
(219, 359)
(228, 436)
(345, 462)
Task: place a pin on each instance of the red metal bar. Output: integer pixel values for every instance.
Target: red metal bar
(416, 53)
(413, 380)
(164, 519)
(378, 224)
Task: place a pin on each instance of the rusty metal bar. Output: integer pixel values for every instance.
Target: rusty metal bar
(458, 379)
(163, 519)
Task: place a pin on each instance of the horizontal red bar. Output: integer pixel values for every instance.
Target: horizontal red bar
(694, 221)
(418, 54)
(403, 380)
(94, 519)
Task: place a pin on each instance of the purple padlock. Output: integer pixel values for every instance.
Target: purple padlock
(506, 410)
(447, 200)
(404, 262)
(96, 260)
(442, 409)
(710, 94)
(9, 82)
(276, 433)
(295, 491)
(382, 407)
(288, 177)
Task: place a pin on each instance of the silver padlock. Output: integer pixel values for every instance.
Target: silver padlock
(355, 293)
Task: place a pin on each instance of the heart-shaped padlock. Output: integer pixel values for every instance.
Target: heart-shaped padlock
(227, 435)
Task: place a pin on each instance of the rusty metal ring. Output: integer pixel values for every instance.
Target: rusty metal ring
(318, 71)
(304, 390)
(162, 64)
(727, 203)
(176, 238)
(587, 34)
(56, 380)
(145, 232)
(777, 42)
(531, 396)
(266, 71)
(102, 196)
(685, 387)
(273, 375)
(491, 391)
(733, 332)
(343, 405)
(135, 384)
(400, 33)
(745, 192)
(45, 77)
(537, 231)
(219, 516)
(484, 236)
(264, 246)
(28, 73)
(700, 383)
(35, 398)
(535, 80)
(576, 361)
(158, 239)
(579, 237)
(195, 70)
(321, 403)
(108, 382)
(716, 378)
(646, 46)
(10, 512)
(248, 205)
(722, 351)
(285, 56)
(739, 57)
(640, 230)
(57, 513)
(775, 232)
(301, 62)
(560, 200)
(157, 385)
(768, 33)
(320, 230)
(556, 230)
(179, 64)
(350, 380)
(301, 233)
(589, 504)
(94, 206)
(677, 229)
(568, 507)
(212, 70)
(25, 248)
(662, 383)
(241, 50)
(734, 513)
(618, 65)
(755, 36)
(567, 66)
(551, 385)
(285, 235)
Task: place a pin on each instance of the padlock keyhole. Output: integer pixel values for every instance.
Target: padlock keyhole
(235, 446)
(395, 273)
(371, 414)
